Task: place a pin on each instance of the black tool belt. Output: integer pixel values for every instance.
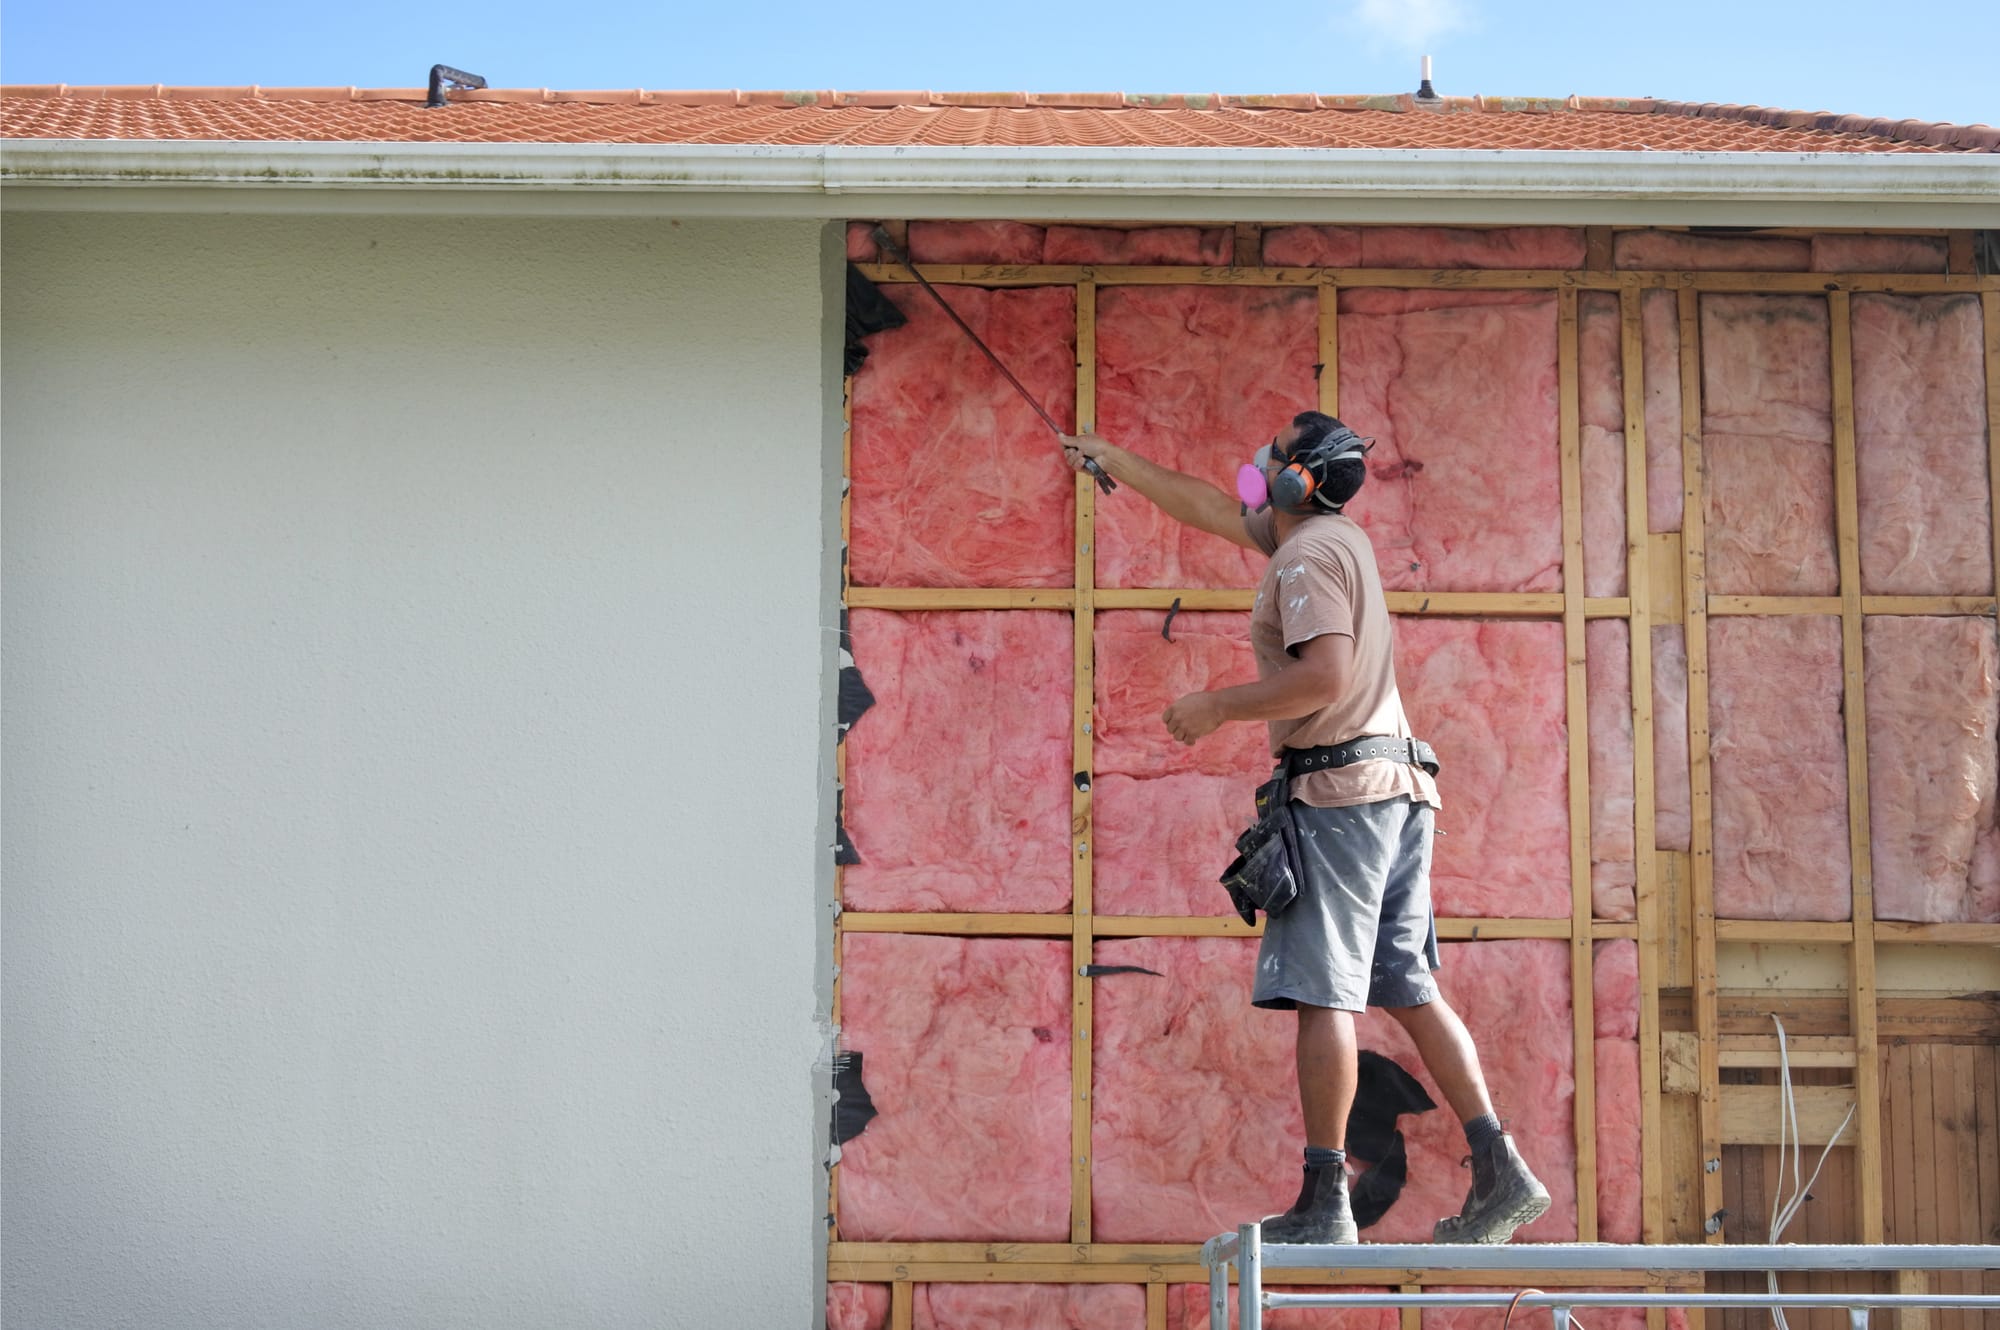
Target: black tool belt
(1368, 748)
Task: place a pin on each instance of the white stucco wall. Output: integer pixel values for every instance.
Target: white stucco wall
(414, 710)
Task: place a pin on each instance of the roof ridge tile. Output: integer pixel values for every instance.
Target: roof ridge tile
(867, 118)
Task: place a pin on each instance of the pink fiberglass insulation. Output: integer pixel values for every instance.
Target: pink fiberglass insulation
(1615, 1009)
(965, 1043)
(1863, 253)
(1312, 247)
(1187, 1309)
(956, 481)
(1197, 379)
(1423, 247)
(1165, 815)
(1193, 246)
(1767, 433)
(857, 1306)
(1021, 1306)
(861, 247)
(1491, 697)
(1139, 673)
(975, 242)
(1161, 843)
(1920, 445)
(1197, 1121)
(1608, 683)
(1601, 378)
(1729, 253)
(958, 778)
(1673, 796)
(1660, 342)
(1933, 710)
(1458, 389)
(1779, 768)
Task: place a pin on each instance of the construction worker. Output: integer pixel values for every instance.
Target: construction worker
(1360, 931)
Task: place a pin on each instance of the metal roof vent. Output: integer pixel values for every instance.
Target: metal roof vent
(458, 78)
(1425, 92)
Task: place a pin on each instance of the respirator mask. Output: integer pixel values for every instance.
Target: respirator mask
(1294, 487)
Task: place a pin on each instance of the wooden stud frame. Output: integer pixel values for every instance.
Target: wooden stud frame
(1651, 575)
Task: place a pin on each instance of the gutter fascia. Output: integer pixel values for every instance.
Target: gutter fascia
(776, 179)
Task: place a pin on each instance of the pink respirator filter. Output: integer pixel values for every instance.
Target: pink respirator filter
(1251, 487)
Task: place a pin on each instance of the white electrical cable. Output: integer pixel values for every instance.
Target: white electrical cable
(1783, 1213)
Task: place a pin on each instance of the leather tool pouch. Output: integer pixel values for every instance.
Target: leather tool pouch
(1265, 873)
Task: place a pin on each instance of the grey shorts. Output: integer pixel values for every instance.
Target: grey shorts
(1361, 932)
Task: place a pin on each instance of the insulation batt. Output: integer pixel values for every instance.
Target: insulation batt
(967, 1044)
(1780, 768)
(857, 1306)
(1728, 253)
(1196, 379)
(1673, 795)
(958, 778)
(1660, 340)
(1197, 1125)
(956, 481)
(1458, 389)
(1920, 445)
(1139, 673)
(1165, 815)
(1187, 1309)
(975, 242)
(1422, 247)
(1608, 682)
(1862, 253)
(1019, 1306)
(1767, 430)
(1491, 698)
(1932, 715)
(1614, 978)
(1601, 379)
(861, 246)
(1192, 246)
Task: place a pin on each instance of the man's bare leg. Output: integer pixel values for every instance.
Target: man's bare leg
(1504, 1194)
(1328, 1073)
(1446, 1047)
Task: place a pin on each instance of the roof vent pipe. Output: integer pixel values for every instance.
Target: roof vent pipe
(458, 78)
(1425, 92)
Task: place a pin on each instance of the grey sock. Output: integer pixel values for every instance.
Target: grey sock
(1318, 1156)
(1483, 1132)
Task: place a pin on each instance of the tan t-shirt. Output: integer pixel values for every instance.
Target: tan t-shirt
(1323, 580)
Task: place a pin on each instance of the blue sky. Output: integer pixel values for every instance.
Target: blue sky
(1843, 55)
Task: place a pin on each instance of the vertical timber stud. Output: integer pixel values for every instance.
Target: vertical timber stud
(1582, 1012)
(1958, 251)
(1156, 1306)
(1249, 245)
(1989, 304)
(1638, 586)
(1329, 348)
(1701, 843)
(900, 1305)
(1085, 618)
(1861, 986)
(840, 758)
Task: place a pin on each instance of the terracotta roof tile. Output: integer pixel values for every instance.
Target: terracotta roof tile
(1179, 120)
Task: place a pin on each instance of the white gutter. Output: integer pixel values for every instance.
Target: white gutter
(829, 181)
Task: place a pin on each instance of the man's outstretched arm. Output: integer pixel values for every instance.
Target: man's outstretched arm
(1195, 503)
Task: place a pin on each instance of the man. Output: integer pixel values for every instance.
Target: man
(1360, 933)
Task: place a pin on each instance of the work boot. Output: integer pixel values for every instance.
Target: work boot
(1322, 1213)
(1504, 1196)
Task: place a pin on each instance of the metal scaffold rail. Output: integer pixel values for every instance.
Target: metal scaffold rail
(1245, 1250)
